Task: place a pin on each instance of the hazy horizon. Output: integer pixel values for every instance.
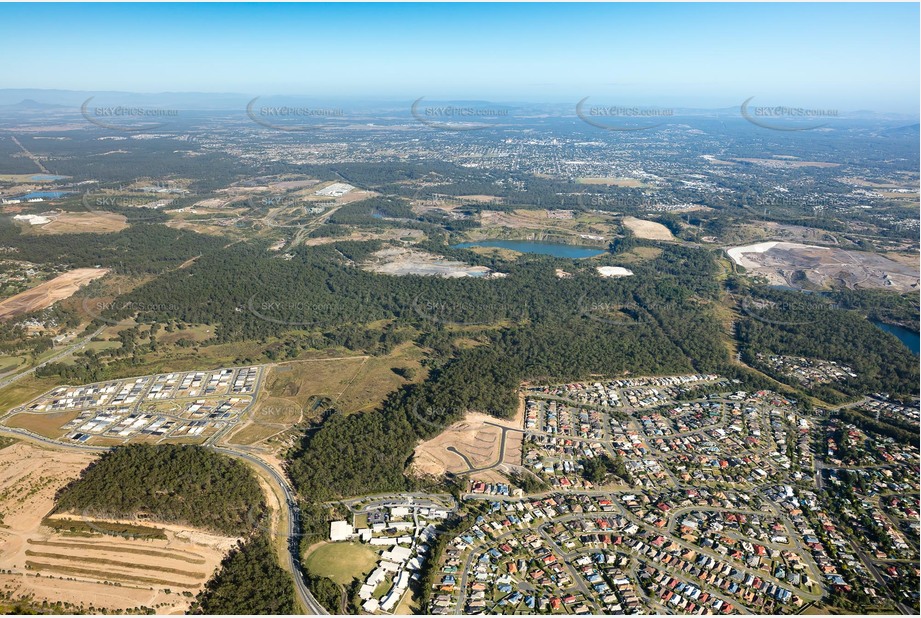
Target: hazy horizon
(842, 56)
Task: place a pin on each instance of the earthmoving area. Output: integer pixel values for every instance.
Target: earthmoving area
(812, 267)
(472, 444)
(47, 293)
(402, 261)
(83, 567)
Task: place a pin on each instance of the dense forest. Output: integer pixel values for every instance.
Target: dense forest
(168, 483)
(138, 249)
(351, 455)
(792, 323)
(249, 581)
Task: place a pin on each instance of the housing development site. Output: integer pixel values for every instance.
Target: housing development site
(192, 406)
(682, 495)
(629, 495)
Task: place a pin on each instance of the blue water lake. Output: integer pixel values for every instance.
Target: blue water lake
(910, 339)
(543, 248)
(48, 195)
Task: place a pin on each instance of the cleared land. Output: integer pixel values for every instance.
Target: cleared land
(365, 235)
(73, 568)
(353, 384)
(804, 266)
(787, 163)
(81, 222)
(538, 225)
(770, 230)
(400, 261)
(47, 293)
(472, 443)
(301, 382)
(649, 230)
(375, 379)
(48, 425)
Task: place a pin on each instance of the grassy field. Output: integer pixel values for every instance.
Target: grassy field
(376, 378)
(192, 332)
(251, 434)
(341, 562)
(8, 363)
(25, 390)
(298, 382)
(48, 425)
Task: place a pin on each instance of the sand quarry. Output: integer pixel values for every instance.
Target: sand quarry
(796, 265)
(73, 568)
(401, 261)
(472, 443)
(49, 292)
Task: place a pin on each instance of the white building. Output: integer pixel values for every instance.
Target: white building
(340, 531)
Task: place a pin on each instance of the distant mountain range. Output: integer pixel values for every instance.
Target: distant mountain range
(30, 99)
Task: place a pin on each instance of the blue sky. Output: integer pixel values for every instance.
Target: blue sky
(843, 56)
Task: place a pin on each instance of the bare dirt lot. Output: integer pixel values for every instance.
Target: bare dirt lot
(48, 425)
(365, 235)
(649, 230)
(401, 261)
(473, 443)
(787, 163)
(55, 566)
(463, 446)
(799, 266)
(47, 293)
(79, 222)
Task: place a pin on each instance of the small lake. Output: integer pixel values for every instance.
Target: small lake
(904, 335)
(46, 195)
(543, 248)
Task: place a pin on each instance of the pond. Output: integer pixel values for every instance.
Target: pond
(543, 248)
(904, 335)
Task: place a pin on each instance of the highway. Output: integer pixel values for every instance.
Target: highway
(77, 345)
(294, 535)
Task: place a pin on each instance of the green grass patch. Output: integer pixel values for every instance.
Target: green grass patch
(341, 562)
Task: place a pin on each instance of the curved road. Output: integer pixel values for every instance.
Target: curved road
(294, 534)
